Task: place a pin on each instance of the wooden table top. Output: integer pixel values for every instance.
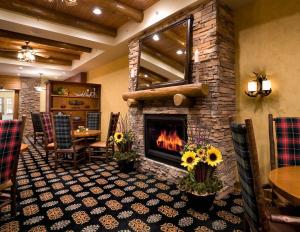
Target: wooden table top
(88, 133)
(285, 180)
(24, 147)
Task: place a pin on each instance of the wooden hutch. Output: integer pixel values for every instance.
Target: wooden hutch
(75, 99)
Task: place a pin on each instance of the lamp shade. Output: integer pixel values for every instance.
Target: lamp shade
(252, 86)
(266, 85)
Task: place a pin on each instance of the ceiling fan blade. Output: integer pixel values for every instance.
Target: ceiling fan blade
(40, 50)
(42, 55)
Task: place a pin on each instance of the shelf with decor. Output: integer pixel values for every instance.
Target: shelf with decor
(63, 97)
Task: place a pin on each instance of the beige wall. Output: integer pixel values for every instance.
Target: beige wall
(268, 40)
(113, 78)
(43, 101)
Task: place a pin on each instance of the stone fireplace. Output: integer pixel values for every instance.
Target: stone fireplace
(213, 36)
(164, 137)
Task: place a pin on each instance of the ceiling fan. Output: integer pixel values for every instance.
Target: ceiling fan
(26, 53)
(67, 2)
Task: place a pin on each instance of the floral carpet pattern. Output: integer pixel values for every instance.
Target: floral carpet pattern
(98, 197)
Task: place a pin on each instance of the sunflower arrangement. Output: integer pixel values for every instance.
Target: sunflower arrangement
(124, 138)
(201, 161)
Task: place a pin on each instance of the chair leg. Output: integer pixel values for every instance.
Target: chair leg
(34, 137)
(89, 152)
(246, 225)
(75, 162)
(13, 200)
(56, 160)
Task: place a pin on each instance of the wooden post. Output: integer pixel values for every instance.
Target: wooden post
(181, 100)
(132, 102)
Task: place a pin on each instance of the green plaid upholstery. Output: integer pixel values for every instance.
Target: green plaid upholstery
(62, 128)
(241, 147)
(93, 120)
(36, 122)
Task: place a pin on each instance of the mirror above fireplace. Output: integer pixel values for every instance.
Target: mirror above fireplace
(164, 58)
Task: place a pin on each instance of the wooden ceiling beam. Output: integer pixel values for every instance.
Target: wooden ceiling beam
(54, 43)
(45, 52)
(54, 16)
(13, 55)
(123, 9)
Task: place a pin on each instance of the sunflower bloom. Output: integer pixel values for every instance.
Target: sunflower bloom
(118, 136)
(189, 160)
(214, 156)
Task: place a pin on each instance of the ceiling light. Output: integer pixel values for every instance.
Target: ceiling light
(145, 75)
(19, 74)
(67, 2)
(26, 54)
(42, 86)
(179, 52)
(155, 37)
(20, 67)
(97, 11)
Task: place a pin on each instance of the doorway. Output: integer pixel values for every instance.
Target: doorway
(8, 106)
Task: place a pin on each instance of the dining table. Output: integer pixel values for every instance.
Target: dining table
(285, 180)
(86, 133)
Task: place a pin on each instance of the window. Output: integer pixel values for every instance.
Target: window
(9, 106)
(1, 105)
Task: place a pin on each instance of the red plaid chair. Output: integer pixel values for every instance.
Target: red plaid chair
(48, 133)
(287, 139)
(11, 133)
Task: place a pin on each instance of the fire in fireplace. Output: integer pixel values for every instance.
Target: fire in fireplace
(165, 136)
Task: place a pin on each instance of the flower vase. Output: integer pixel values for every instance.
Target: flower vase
(126, 166)
(202, 172)
(202, 203)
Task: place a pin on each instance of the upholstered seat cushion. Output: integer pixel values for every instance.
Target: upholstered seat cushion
(98, 144)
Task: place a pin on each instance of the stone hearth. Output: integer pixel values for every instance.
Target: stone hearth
(213, 36)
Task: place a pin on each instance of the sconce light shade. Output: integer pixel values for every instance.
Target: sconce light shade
(266, 85)
(260, 86)
(252, 86)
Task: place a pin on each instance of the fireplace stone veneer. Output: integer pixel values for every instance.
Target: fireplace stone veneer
(213, 36)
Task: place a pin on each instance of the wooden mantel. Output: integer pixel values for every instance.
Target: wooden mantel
(181, 94)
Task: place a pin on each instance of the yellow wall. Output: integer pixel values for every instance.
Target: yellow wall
(113, 78)
(268, 39)
(43, 101)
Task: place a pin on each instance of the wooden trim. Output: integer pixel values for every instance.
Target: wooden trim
(272, 142)
(55, 16)
(16, 103)
(39, 40)
(10, 82)
(123, 9)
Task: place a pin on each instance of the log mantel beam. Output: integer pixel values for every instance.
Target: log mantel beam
(54, 16)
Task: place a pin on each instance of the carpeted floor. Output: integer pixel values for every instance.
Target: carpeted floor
(98, 197)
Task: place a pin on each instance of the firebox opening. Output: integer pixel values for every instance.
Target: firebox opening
(165, 136)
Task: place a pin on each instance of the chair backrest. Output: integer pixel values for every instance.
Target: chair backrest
(93, 120)
(248, 169)
(36, 122)
(287, 137)
(113, 123)
(62, 131)
(11, 133)
(47, 126)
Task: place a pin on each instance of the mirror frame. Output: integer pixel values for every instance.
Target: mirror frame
(187, 65)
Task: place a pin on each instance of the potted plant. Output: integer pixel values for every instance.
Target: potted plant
(123, 139)
(200, 184)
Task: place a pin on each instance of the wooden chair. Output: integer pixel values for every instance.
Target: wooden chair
(11, 134)
(65, 145)
(48, 133)
(93, 120)
(105, 146)
(0, 116)
(258, 217)
(37, 126)
(287, 138)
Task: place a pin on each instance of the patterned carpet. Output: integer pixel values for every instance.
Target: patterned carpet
(98, 197)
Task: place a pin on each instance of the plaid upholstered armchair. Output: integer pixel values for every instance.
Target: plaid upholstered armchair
(37, 126)
(258, 217)
(48, 133)
(11, 133)
(93, 120)
(287, 138)
(67, 149)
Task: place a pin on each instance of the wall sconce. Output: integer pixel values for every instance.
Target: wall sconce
(260, 86)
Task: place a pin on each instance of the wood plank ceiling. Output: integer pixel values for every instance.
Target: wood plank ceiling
(114, 15)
